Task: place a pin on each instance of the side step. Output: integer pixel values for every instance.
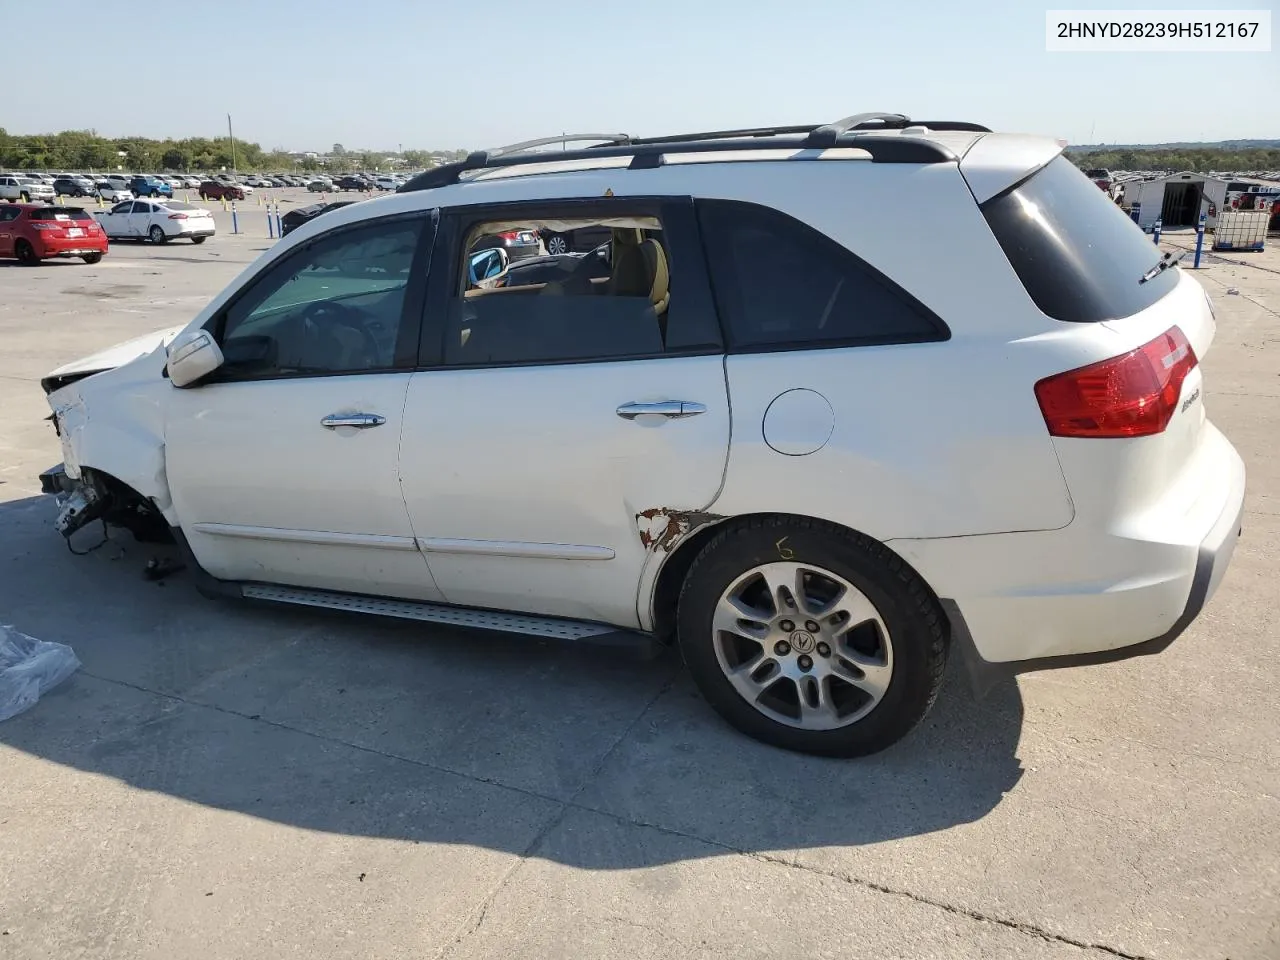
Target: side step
(552, 628)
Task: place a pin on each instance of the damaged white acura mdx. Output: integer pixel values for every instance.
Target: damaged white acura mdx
(817, 404)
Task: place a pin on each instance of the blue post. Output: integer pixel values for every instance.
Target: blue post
(1155, 234)
(1136, 213)
(1199, 240)
(279, 222)
(271, 227)
(235, 221)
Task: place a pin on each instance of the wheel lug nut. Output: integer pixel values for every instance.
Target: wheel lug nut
(824, 650)
(787, 626)
(811, 626)
(782, 648)
(805, 662)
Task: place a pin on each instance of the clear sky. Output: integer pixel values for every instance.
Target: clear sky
(304, 74)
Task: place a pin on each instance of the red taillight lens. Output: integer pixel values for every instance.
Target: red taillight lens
(177, 216)
(1133, 395)
(511, 235)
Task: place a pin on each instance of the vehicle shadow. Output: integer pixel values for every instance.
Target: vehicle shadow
(406, 731)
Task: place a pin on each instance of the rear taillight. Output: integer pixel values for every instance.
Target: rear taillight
(510, 235)
(177, 216)
(46, 226)
(1133, 395)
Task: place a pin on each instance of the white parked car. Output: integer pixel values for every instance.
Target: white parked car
(387, 183)
(191, 182)
(773, 421)
(24, 189)
(157, 220)
(112, 191)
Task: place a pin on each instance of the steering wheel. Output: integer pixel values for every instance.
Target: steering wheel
(322, 314)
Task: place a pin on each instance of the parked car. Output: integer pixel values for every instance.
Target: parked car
(157, 220)
(32, 233)
(74, 187)
(220, 190)
(149, 186)
(352, 183)
(386, 183)
(519, 242)
(191, 182)
(574, 241)
(872, 446)
(299, 216)
(111, 191)
(321, 185)
(25, 189)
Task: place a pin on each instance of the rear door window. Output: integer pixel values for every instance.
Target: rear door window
(1077, 253)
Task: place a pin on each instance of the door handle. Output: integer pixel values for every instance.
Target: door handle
(671, 409)
(361, 421)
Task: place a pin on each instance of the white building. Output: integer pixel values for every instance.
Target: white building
(1178, 199)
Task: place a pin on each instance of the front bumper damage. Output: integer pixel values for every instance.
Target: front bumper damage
(80, 501)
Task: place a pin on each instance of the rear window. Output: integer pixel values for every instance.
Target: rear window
(1079, 256)
(60, 213)
(179, 205)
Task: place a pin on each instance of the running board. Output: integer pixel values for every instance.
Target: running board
(552, 628)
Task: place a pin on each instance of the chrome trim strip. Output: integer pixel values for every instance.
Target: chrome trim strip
(321, 537)
(514, 548)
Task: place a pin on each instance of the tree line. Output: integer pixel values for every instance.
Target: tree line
(85, 150)
(1201, 160)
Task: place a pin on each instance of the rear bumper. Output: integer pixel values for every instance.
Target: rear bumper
(1040, 600)
(72, 247)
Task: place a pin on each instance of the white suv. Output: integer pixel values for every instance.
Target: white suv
(24, 189)
(826, 404)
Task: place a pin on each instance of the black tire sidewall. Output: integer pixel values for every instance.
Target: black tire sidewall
(918, 653)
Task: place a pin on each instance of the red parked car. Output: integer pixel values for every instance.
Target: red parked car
(216, 190)
(35, 231)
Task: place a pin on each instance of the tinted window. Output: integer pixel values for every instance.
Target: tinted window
(60, 213)
(9, 213)
(570, 308)
(1077, 253)
(332, 307)
(780, 283)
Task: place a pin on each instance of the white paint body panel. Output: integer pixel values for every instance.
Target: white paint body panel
(264, 492)
(538, 456)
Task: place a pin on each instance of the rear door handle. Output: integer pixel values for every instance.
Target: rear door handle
(361, 421)
(671, 409)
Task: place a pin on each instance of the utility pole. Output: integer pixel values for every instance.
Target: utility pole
(233, 144)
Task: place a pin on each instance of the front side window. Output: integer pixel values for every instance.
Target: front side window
(783, 285)
(630, 297)
(333, 306)
(9, 213)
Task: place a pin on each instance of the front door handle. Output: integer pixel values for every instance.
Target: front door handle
(671, 409)
(361, 421)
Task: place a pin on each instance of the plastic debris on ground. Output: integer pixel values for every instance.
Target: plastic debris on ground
(30, 668)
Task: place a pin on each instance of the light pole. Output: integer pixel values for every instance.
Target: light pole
(233, 144)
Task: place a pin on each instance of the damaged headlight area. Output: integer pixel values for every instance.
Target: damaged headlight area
(98, 496)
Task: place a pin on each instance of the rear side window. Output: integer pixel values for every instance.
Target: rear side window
(780, 284)
(60, 213)
(1079, 256)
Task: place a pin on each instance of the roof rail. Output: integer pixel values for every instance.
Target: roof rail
(856, 131)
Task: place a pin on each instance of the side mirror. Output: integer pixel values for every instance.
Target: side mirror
(486, 266)
(192, 355)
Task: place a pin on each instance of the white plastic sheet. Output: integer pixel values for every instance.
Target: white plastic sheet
(29, 668)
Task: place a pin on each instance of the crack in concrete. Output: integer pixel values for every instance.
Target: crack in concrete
(470, 927)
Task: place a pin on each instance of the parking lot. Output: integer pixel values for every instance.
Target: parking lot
(231, 781)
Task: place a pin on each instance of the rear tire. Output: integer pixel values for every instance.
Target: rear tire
(92, 258)
(157, 234)
(25, 253)
(853, 687)
(199, 239)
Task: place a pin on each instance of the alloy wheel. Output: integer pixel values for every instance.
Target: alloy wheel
(803, 645)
